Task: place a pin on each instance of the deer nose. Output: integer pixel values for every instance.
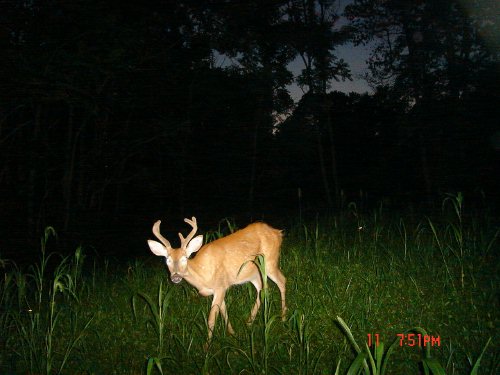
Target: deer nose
(176, 278)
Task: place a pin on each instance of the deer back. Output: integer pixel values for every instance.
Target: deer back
(220, 262)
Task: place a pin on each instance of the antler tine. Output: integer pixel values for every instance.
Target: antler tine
(156, 232)
(185, 241)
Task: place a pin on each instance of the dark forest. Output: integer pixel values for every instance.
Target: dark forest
(116, 113)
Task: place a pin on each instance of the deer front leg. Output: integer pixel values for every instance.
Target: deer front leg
(218, 304)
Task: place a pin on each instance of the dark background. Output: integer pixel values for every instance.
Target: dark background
(114, 114)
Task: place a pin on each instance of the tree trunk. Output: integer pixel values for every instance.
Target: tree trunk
(425, 169)
(322, 166)
(333, 153)
(253, 168)
(32, 173)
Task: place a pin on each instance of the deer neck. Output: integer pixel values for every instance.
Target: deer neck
(195, 277)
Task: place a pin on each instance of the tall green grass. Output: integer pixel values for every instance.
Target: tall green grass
(348, 276)
(41, 311)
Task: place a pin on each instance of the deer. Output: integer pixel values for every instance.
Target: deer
(222, 263)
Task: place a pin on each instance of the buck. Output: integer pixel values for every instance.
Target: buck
(223, 263)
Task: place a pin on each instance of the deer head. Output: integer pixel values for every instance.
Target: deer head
(176, 259)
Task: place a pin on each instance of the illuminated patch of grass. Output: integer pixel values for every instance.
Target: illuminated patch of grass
(380, 275)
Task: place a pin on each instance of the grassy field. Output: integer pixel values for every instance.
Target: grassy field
(349, 277)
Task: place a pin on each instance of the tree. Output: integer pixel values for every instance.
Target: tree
(431, 53)
(256, 35)
(314, 23)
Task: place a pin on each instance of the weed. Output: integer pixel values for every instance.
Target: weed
(44, 311)
(158, 320)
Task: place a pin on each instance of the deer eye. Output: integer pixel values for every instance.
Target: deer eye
(168, 261)
(183, 260)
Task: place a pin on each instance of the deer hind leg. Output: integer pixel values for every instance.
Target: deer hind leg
(257, 283)
(275, 275)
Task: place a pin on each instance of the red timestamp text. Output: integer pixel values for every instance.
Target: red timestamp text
(408, 339)
(417, 339)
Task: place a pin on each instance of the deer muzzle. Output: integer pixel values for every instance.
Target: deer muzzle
(176, 278)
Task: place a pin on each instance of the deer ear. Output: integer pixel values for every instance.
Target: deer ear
(157, 248)
(194, 245)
